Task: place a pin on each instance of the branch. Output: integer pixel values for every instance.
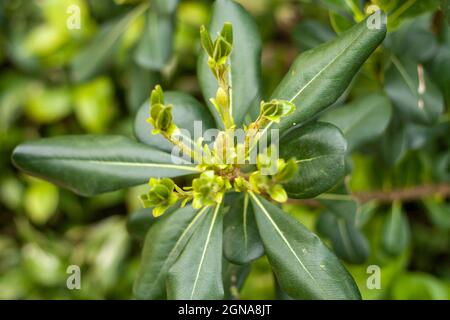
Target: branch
(404, 195)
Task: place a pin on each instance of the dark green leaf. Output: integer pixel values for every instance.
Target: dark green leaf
(305, 268)
(245, 61)
(440, 70)
(362, 120)
(89, 164)
(185, 111)
(92, 59)
(197, 274)
(319, 77)
(242, 243)
(163, 245)
(396, 231)
(404, 80)
(155, 46)
(319, 150)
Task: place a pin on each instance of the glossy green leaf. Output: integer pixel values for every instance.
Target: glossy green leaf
(348, 241)
(139, 222)
(93, 58)
(396, 233)
(305, 268)
(412, 92)
(320, 76)
(319, 150)
(163, 245)
(362, 120)
(90, 164)
(155, 46)
(185, 111)
(197, 274)
(245, 61)
(242, 243)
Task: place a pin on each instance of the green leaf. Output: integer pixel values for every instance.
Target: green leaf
(319, 150)
(139, 222)
(305, 268)
(242, 243)
(348, 241)
(89, 164)
(155, 46)
(93, 58)
(396, 233)
(197, 274)
(438, 213)
(41, 201)
(165, 6)
(320, 76)
(234, 276)
(309, 34)
(163, 245)
(419, 286)
(138, 84)
(245, 61)
(185, 111)
(440, 70)
(445, 6)
(418, 100)
(47, 105)
(414, 39)
(362, 120)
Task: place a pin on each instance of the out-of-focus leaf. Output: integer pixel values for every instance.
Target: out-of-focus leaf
(393, 144)
(309, 34)
(234, 276)
(139, 222)
(93, 58)
(41, 201)
(245, 61)
(349, 243)
(439, 213)
(362, 120)
(412, 92)
(46, 105)
(155, 46)
(440, 70)
(419, 286)
(139, 82)
(94, 104)
(414, 39)
(396, 233)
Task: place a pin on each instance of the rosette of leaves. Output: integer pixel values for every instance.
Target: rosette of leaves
(233, 218)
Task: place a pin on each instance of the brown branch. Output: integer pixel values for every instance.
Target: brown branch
(409, 194)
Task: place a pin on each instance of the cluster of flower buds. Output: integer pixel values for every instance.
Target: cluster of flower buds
(272, 184)
(209, 189)
(161, 196)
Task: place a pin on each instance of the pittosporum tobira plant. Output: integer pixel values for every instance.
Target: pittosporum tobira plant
(216, 202)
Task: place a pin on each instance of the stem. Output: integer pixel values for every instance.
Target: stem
(402, 9)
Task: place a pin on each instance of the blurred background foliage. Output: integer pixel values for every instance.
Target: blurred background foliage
(55, 80)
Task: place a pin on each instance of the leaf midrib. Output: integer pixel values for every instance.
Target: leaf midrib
(327, 66)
